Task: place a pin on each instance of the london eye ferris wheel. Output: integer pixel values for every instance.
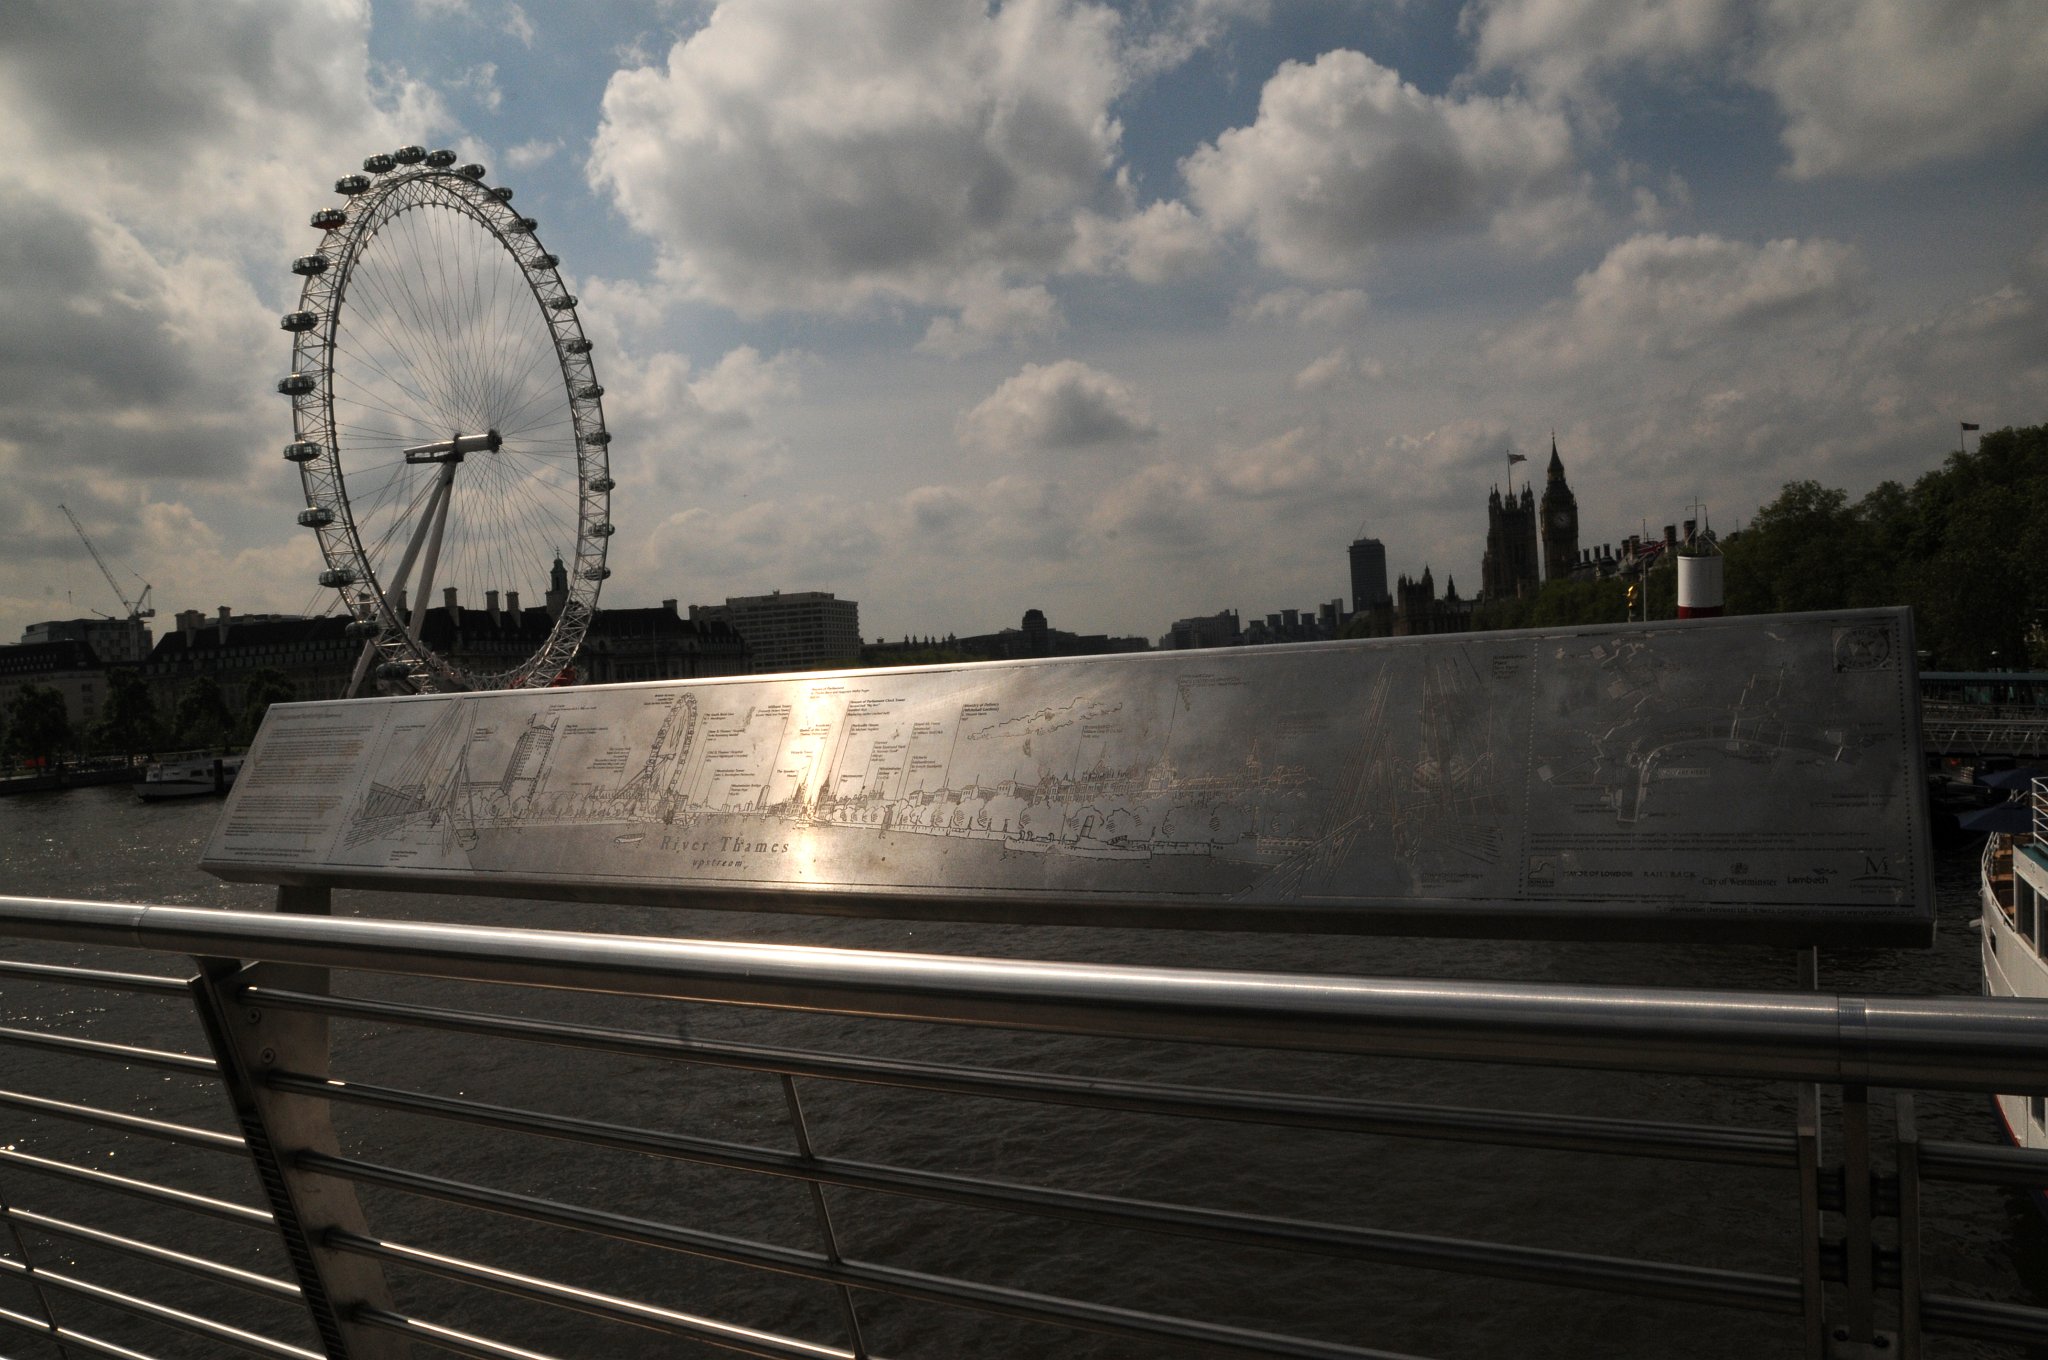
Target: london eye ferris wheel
(448, 426)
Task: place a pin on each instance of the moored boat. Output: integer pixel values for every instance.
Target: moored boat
(191, 776)
(2015, 935)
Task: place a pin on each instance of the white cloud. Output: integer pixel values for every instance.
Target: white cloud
(1345, 156)
(1865, 88)
(675, 428)
(1331, 370)
(518, 25)
(992, 315)
(1332, 309)
(1871, 88)
(1064, 405)
(480, 82)
(1666, 296)
(1561, 44)
(789, 154)
(526, 155)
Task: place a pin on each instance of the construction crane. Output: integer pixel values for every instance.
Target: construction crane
(139, 608)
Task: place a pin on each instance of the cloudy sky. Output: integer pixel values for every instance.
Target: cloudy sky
(1123, 311)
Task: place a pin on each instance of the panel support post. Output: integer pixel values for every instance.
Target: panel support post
(249, 1043)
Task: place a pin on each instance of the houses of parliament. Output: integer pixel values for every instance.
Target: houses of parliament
(1522, 532)
(1528, 541)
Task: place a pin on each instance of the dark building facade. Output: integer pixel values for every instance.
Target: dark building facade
(1511, 566)
(1368, 574)
(1560, 522)
(1035, 637)
(318, 657)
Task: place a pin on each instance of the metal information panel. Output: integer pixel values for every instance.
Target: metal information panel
(1753, 778)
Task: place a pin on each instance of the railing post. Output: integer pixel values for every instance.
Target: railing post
(249, 1042)
(1909, 1230)
(803, 1150)
(1812, 1289)
(1859, 1256)
(35, 1286)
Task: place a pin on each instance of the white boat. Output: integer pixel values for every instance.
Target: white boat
(190, 776)
(2015, 930)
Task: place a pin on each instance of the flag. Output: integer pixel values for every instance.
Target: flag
(1523, 457)
(1968, 426)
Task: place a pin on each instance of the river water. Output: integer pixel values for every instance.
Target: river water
(101, 844)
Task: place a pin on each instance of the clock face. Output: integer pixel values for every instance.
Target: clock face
(1561, 518)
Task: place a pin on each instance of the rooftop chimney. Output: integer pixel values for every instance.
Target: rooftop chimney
(669, 605)
(491, 604)
(224, 616)
(448, 599)
(512, 604)
(1670, 535)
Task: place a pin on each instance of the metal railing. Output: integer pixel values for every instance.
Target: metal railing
(363, 1233)
(1967, 730)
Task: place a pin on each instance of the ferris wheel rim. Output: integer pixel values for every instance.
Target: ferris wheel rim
(399, 184)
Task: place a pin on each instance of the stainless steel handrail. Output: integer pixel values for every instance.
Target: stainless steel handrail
(1516, 1128)
(1946, 1043)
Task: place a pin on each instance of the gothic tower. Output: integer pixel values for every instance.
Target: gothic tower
(1510, 566)
(1560, 521)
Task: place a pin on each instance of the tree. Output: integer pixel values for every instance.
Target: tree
(266, 687)
(202, 718)
(130, 723)
(38, 728)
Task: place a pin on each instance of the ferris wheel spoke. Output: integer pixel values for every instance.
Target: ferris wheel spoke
(420, 388)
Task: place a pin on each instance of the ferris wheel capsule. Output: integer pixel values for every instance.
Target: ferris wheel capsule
(440, 160)
(297, 384)
(362, 628)
(303, 451)
(597, 439)
(545, 261)
(577, 346)
(601, 529)
(298, 321)
(352, 185)
(471, 171)
(309, 265)
(393, 670)
(590, 391)
(597, 573)
(562, 303)
(602, 484)
(327, 219)
(522, 226)
(316, 517)
(409, 155)
(378, 164)
(336, 577)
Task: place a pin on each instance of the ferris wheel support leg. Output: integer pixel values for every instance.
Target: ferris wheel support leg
(437, 517)
(432, 520)
(355, 681)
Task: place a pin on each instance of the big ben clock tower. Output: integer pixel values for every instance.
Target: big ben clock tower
(1560, 521)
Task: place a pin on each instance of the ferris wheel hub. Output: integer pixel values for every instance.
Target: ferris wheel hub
(452, 450)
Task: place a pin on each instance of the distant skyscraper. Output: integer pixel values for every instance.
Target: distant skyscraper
(1368, 574)
(802, 630)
